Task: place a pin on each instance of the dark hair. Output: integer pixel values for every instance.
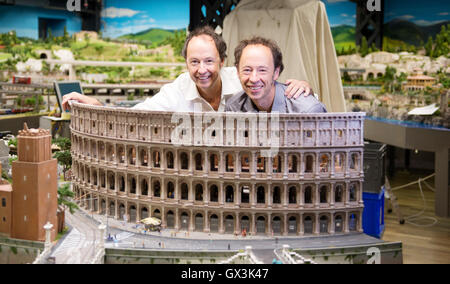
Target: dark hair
(209, 31)
(272, 45)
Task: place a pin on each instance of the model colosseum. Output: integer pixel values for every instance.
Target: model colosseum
(217, 176)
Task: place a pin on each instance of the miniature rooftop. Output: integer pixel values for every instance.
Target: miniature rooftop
(32, 131)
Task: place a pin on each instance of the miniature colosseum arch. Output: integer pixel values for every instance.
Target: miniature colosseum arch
(261, 194)
(229, 194)
(144, 212)
(144, 187)
(156, 188)
(293, 163)
(308, 194)
(229, 223)
(339, 193)
(214, 223)
(292, 194)
(170, 190)
(314, 179)
(170, 219)
(184, 191)
(276, 194)
(184, 161)
(214, 193)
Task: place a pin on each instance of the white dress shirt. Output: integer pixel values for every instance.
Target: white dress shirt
(182, 94)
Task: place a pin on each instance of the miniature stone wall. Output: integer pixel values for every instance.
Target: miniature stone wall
(137, 256)
(14, 251)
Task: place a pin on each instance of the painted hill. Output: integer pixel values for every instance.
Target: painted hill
(410, 32)
(155, 36)
(343, 36)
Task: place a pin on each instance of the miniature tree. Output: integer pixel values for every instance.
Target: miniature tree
(442, 43)
(364, 50)
(66, 34)
(400, 79)
(64, 203)
(373, 48)
(49, 35)
(64, 157)
(176, 41)
(429, 47)
(63, 143)
(389, 77)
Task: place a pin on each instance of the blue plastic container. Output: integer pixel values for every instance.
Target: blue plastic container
(373, 214)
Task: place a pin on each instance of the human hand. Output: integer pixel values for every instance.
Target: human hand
(74, 96)
(296, 88)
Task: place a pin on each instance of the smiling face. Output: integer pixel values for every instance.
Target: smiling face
(204, 63)
(257, 74)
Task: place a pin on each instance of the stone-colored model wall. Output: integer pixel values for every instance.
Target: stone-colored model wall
(14, 251)
(136, 256)
(127, 162)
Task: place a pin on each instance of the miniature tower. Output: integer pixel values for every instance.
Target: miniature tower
(34, 185)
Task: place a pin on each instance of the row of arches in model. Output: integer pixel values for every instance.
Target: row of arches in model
(236, 193)
(229, 222)
(211, 161)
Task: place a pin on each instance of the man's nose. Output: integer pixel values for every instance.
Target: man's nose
(202, 67)
(254, 76)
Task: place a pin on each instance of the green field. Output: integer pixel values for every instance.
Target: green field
(343, 36)
(155, 36)
(4, 56)
(346, 45)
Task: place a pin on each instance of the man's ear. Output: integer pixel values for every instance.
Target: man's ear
(276, 74)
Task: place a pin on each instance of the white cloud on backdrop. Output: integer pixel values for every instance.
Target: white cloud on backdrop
(113, 12)
(427, 23)
(406, 17)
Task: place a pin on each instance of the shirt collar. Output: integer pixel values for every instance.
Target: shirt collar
(191, 92)
(279, 101)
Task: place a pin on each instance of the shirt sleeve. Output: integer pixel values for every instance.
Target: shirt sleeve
(161, 101)
(317, 108)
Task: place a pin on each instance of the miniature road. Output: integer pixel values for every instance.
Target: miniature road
(78, 246)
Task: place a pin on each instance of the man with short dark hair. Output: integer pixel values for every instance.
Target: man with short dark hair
(259, 63)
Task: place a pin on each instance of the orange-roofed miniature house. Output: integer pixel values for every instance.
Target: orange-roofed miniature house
(34, 185)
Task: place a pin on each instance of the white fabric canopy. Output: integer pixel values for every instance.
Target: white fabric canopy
(301, 29)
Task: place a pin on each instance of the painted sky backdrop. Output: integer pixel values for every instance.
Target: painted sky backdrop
(132, 16)
(340, 12)
(420, 12)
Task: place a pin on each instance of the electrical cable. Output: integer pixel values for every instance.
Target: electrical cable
(413, 219)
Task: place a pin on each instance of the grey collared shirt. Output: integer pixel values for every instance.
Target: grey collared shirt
(241, 102)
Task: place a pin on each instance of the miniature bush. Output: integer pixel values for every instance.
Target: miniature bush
(63, 143)
(13, 142)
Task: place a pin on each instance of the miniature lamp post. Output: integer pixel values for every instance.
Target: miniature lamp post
(48, 231)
